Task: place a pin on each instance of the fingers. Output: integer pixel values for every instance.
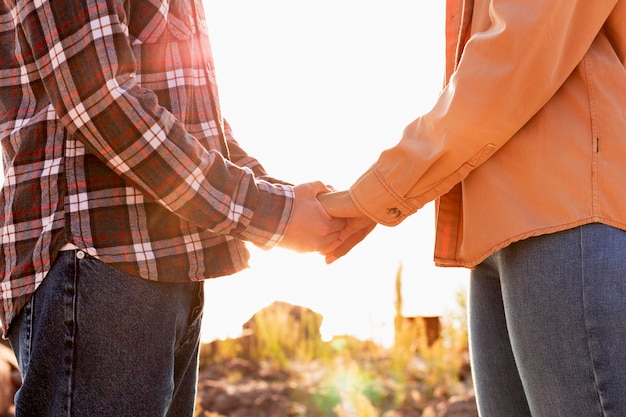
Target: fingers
(349, 240)
(336, 224)
(313, 189)
(339, 204)
(330, 243)
(326, 222)
(310, 227)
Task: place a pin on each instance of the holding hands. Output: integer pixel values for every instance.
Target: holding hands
(325, 221)
(339, 204)
(311, 228)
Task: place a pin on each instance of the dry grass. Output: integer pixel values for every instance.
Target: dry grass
(359, 378)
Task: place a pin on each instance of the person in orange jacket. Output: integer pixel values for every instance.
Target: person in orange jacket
(524, 154)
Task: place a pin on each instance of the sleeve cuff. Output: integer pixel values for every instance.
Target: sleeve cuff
(269, 223)
(378, 201)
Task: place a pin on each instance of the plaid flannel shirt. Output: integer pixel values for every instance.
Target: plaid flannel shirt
(113, 140)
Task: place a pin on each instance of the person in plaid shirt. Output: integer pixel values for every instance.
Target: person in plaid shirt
(121, 182)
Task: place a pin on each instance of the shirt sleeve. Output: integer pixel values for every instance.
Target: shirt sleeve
(85, 60)
(505, 75)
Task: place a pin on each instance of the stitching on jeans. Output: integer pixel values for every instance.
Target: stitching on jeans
(584, 305)
(31, 317)
(72, 336)
(195, 319)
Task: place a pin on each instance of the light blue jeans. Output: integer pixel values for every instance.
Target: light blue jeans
(95, 342)
(547, 321)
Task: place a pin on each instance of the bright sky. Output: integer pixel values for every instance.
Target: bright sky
(316, 90)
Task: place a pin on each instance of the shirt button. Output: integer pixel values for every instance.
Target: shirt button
(80, 254)
(394, 212)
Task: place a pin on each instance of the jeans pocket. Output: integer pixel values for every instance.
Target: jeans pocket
(20, 335)
(194, 323)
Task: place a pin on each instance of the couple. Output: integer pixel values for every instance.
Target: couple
(124, 188)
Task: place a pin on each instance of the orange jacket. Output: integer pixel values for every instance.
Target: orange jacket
(528, 136)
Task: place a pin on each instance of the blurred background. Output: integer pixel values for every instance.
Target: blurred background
(316, 90)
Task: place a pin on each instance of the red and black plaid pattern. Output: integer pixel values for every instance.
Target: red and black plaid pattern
(113, 140)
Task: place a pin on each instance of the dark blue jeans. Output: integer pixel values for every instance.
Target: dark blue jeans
(548, 326)
(96, 342)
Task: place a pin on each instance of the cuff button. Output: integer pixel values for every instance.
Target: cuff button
(394, 212)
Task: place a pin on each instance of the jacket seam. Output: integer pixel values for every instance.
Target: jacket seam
(595, 145)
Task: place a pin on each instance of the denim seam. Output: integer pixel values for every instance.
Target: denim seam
(72, 334)
(195, 319)
(586, 323)
(31, 319)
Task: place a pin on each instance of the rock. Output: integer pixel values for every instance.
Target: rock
(245, 390)
(405, 413)
(429, 412)
(263, 374)
(461, 407)
(282, 325)
(10, 380)
(6, 388)
(205, 413)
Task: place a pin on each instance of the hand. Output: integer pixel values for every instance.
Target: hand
(357, 226)
(311, 228)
